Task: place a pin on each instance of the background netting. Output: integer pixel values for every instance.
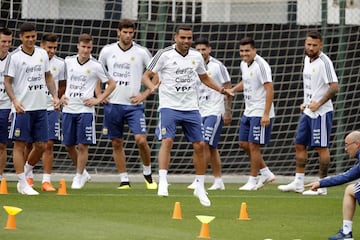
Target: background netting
(279, 28)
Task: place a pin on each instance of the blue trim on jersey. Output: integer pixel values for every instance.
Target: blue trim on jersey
(190, 121)
(314, 132)
(31, 126)
(4, 125)
(116, 115)
(252, 131)
(78, 128)
(212, 127)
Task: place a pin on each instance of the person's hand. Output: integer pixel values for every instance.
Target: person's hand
(313, 106)
(265, 120)
(19, 108)
(137, 99)
(313, 186)
(56, 103)
(91, 102)
(64, 100)
(228, 91)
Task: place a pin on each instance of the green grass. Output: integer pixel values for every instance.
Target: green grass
(100, 211)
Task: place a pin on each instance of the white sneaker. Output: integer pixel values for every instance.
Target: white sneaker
(163, 189)
(319, 191)
(200, 193)
(78, 182)
(265, 179)
(26, 190)
(248, 187)
(292, 187)
(218, 185)
(192, 186)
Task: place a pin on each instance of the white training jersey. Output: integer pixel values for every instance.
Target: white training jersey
(178, 77)
(57, 68)
(317, 75)
(28, 73)
(126, 68)
(5, 102)
(211, 102)
(81, 80)
(254, 77)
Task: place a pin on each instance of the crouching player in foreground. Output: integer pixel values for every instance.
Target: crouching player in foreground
(352, 191)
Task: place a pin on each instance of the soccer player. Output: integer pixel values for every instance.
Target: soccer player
(179, 67)
(27, 78)
(256, 122)
(5, 103)
(126, 61)
(352, 191)
(314, 129)
(49, 42)
(215, 110)
(82, 75)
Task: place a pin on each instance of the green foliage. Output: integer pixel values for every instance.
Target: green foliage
(100, 211)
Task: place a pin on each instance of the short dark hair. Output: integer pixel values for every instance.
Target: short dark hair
(247, 41)
(202, 40)
(183, 27)
(49, 37)
(126, 23)
(85, 37)
(27, 27)
(6, 31)
(314, 35)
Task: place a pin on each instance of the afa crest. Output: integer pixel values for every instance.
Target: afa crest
(105, 131)
(163, 131)
(132, 59)
(17, 132)
(88, 71)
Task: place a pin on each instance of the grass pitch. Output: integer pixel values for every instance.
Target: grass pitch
(100, 211)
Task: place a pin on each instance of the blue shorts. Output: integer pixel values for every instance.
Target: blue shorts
(31, 126)
(54, 125)
(4, 125)
(78, 128)
(314, 132)
(252, 131)
(212, 126)
(357, 191)
(116, 115)
(190, 121)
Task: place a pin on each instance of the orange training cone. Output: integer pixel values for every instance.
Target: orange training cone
(12, 211)
(62, 187)
(3, 186)
(244, 212)
(205, 220)
(177, 211)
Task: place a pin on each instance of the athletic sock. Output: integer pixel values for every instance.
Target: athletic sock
(299, 177)
(124, 177)
(28, 170)
(46, 178)
(147, 170)
(163, 175)
(347, 226)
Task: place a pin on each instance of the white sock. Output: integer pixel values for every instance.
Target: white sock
(22, 179)
(252, 180)
(218, 180)
(46, 178)
(299, 177)
(200, 179)
(28, 170)
(124, 177)
(265, 171)
(163, 175)
(146, 170)
(347, 226)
